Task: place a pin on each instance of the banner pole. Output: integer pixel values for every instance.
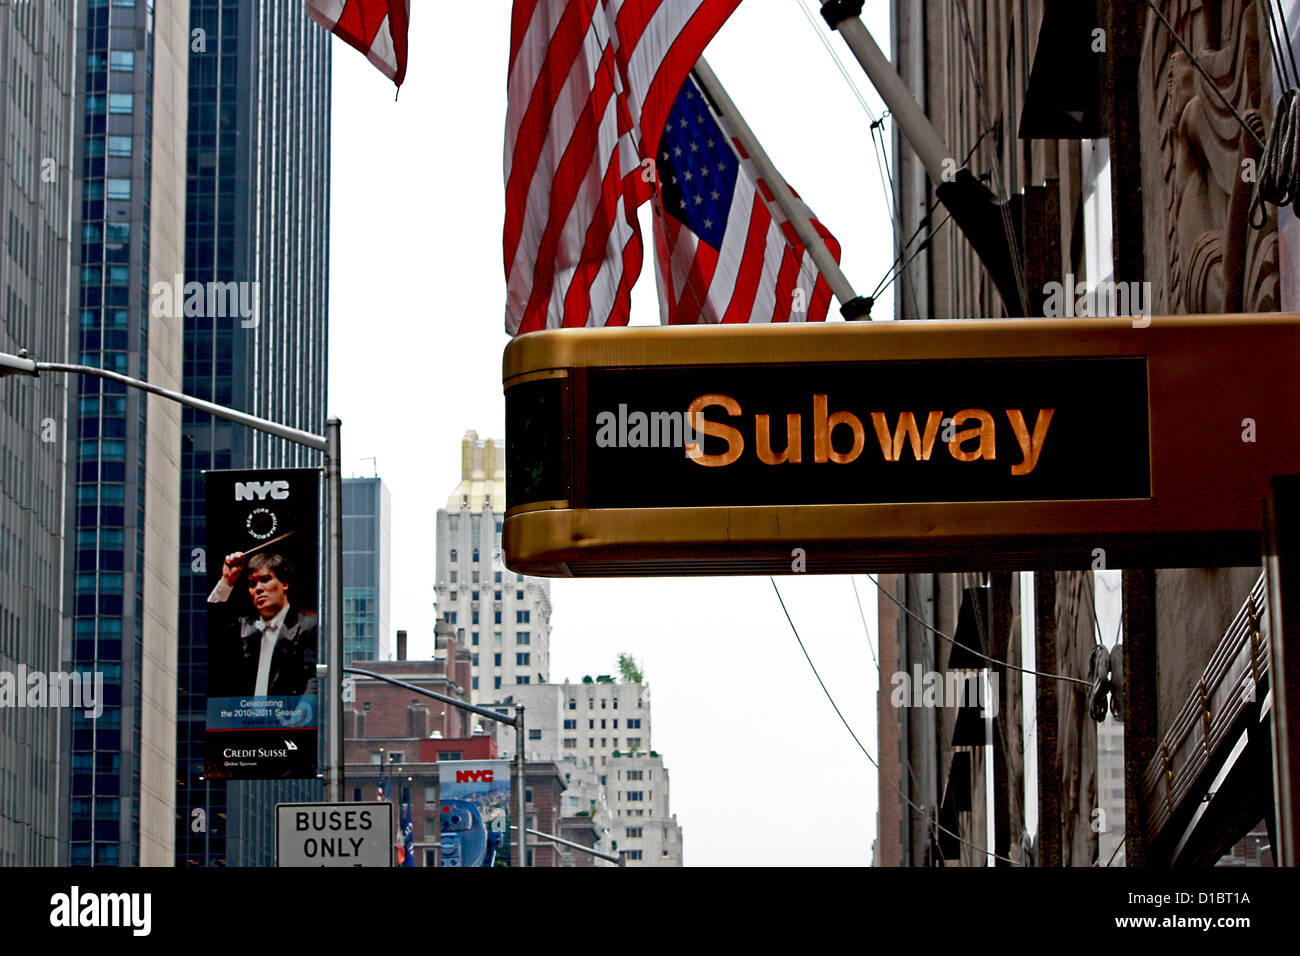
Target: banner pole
(521, 800)
(334, 589)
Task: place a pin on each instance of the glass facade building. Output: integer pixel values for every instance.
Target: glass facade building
(257, 217)
(36, 185)
(108, 444)
(367, 513)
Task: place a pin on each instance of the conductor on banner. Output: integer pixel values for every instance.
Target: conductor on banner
(272, 651)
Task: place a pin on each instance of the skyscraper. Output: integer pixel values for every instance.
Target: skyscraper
(502, 617)
(257, 221)
(36, 125)
(123, 479)
(367, 513)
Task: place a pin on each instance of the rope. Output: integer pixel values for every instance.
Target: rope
(1277, 179)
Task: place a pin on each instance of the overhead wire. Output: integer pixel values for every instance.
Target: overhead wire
(925, 814)
(926, 624)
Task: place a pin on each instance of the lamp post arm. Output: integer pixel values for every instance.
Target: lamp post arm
(295, 435)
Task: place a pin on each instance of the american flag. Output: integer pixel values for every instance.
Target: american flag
(724, 251)
(589, 88)
(375, 27)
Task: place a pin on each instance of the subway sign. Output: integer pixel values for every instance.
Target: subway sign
(897, 446)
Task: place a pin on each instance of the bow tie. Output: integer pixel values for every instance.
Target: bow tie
(263, 626)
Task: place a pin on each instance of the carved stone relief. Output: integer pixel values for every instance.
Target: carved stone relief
(1202, 255)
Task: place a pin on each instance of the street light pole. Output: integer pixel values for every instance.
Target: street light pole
(334, 590)
(330, 445)
(517, 721)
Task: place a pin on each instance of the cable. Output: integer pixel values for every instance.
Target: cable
(1118, 847)
(921, 810)
(865, 629)
(812, 22)
(926, 624)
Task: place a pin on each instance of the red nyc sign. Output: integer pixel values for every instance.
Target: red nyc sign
(472, 776)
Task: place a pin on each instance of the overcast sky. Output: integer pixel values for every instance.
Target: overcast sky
(762, 771)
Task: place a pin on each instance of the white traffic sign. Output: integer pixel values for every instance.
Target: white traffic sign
(334, 834)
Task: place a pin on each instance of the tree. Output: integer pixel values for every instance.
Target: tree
(628, 667)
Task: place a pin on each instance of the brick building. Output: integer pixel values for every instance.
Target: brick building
(400, 736)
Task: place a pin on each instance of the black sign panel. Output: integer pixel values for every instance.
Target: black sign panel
(905, 432)
(263, 569)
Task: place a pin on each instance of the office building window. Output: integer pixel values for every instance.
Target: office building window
(521, 660)
(633, 854)
(570, 743)
(633, 743)
(519, 595)
(525, 679)
(570, 725)
(573, 703)
(121, 61)
(521, 617)
(633, 833)
(496, 660)
(121, 102)
(523, 637)
(496, 578)
(496, 617)
(534, 735)
(476, 554)
(635, 795)
(634, 723)
(475, 682)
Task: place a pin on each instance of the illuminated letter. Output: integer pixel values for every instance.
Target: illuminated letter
(704, 427)
(793, 440)
(921, 447)
(1030, 448)
(984, 431)
(823, 427)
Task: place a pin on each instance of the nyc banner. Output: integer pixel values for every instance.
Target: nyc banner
(475, 803)
(263, 569)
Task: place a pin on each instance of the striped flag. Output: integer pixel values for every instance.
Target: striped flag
(724, 251)
(375, 27)
(590, 83)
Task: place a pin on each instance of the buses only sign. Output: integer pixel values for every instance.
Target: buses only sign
(334, 834)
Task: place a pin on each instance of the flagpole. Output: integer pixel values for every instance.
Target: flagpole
(852, 306)
(981, 216)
